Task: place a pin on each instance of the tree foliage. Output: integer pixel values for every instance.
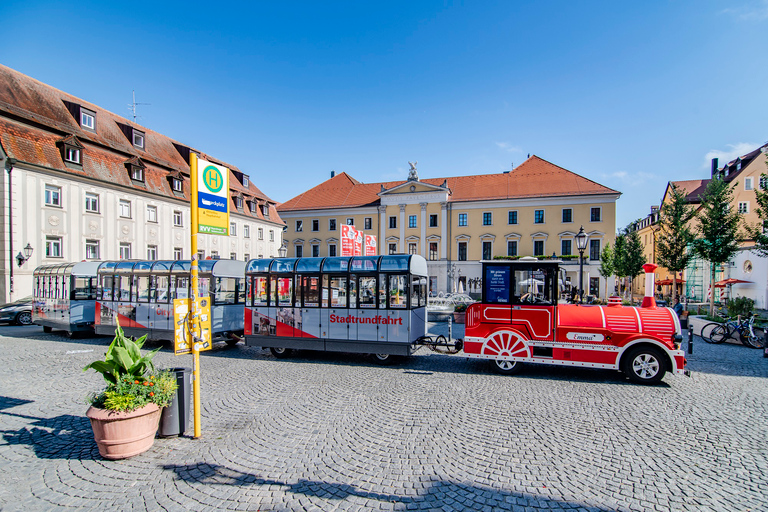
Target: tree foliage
(718, 231)
(628, 257)
(606, 265)
(756, 232)
(675, 234)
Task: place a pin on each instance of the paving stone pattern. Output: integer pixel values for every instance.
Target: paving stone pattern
(328, 432)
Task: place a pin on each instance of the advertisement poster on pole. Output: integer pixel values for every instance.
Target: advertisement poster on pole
(212, 198)
(358, 242)
(370, 245)
(182, 343)
(347, 240)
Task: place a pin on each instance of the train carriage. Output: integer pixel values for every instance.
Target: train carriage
(140, 294)
(65, 297)
(363, 304)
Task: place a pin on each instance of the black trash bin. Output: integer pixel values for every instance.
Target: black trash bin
(174, 419)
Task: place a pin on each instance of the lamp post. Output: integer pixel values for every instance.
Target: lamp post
(282, 251)
(581, 244)
(22, 258)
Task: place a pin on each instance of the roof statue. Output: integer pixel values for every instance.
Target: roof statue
(412, 175)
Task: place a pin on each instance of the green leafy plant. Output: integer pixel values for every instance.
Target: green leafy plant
(743, 306)
(132, 380)
(460, 308)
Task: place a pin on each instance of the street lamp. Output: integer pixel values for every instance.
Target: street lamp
(581, 244)
(22, 258)
(282, 251)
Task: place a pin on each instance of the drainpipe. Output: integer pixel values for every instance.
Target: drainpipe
(9, 167)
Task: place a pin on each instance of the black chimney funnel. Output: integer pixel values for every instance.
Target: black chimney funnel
(333, 173)
(714, 168)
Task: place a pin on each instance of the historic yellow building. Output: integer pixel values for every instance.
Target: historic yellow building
(534, 210)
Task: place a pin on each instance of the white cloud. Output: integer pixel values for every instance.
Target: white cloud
(753, 11)
(506, 146)
(733, 151)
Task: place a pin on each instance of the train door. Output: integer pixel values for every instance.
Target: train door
(140, 299)
(367, 311)
(397, 317)
(338, 311)
(261, 321)
(310, 310)
(105, 312)
(418, 307)
(533, 308)
(382, 318)
(284, 301)
(160, 307)
(126, 310)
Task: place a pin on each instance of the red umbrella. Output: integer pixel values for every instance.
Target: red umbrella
(729, 282)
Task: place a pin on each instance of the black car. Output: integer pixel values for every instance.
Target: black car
(18, 312)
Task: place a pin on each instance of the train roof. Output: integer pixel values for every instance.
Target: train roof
(412, 263)
(222, 268)
(82, 268)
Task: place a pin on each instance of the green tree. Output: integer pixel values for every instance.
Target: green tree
(617, 260)
(757, 232)
(675, 235)
(628, 258)
(718, 230)
(606, 265)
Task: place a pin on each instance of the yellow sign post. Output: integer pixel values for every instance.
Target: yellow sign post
(183, 342)
(209, 208)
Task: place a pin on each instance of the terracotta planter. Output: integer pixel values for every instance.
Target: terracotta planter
(459, 317)
(120, 435)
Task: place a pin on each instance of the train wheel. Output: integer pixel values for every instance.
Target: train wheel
(231, 342)
(505, 343)
(644, 366)
(506, 367)
(383, 359)
(280, 352)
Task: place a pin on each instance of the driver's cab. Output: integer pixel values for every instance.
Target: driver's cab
(528, 289)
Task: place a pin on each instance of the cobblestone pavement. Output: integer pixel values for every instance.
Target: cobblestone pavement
(336, 432)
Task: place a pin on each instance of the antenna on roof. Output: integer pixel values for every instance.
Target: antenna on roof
(132, 106)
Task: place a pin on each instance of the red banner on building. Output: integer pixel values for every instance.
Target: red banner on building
(370, 245)
(348, 236)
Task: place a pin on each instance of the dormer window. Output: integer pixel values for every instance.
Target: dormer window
(177, 184)
(239, 202)
(88, 119)
(71, 151)
(138, 138)
(136, 169)
(252, 205)
(137, 173)
(246, 184)
(265, 210)
(72, 154)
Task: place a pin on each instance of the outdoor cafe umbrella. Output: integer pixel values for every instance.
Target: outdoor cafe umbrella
(729, 282)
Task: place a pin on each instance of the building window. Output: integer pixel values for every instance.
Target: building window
(368, 223)
(178, 253)
(332, 250)
(261, 233)
(315, 250)
(538, 216)
(125, 208)
(72, 154)
(201, 254)
(744, 207)
(299, 226)
(137, 173)
(246, 184)
(331, 224)
(271, 236)
(433, 251)
(233, 255)
(246, 257)
(91, 249)
(232, 229)
(462, 251)
(138, 139)
(239, 203)
(350, 221)
(567, 215)
(246, 231)
(151, 252)
(594, 250)
(393, 222)
(747, 183)
(411, 221)
(512, 217)
(511, 247)
(487, 219)
(88, 119)
(178, 219)
(595, 214)
(433, 220)
(487, 250)
(52, 196)
(462, 219)
(538, 247)
(299, 251)
(763, 181)
(265, 210)
(392, 248)
(53, 247)
(125, 251)
(411, 248)
(252, 206)
(176, 185)
(214, 255)
(151, 213)
(565, 247)
(91, 202)
(315, 225)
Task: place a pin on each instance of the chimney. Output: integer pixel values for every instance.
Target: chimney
(650, 281)
(714, 167)
(333, 173)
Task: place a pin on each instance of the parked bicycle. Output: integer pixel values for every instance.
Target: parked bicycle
(744, 327)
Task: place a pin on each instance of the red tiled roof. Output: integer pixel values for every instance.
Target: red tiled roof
(693, 189)
(534, 178)
(34, 118)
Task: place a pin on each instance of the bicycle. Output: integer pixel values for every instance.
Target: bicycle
(707, 329)
(744, 327)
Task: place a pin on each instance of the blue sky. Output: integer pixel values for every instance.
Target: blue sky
(628, 94)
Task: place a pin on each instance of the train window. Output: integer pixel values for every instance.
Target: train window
(106, 287)
(181, 287)
(225, 291)
(398, 291)
(352, 291)
(160, 289)
(284, 291)
(123, 284)
(338, 287)
(259, 291)
(240, 283)
(382, 291)
(82, 290)
(311, 291)
(204, 285)
(142, 288)
(531, 286)
(418, 291)
(325, 291)
(298, 291)
(367, 292)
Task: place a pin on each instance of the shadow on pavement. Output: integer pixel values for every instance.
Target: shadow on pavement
(438, 492)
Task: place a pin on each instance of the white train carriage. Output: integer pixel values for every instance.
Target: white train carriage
(364, 304)
(65, 297)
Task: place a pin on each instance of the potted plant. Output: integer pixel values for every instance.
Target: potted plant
(460, 313)
(125, 416)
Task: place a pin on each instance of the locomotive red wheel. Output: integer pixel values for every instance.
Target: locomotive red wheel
(506, 344)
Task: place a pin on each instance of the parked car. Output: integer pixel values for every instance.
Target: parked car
(18, 312)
